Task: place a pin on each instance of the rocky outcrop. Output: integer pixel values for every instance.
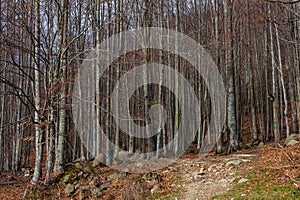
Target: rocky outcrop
(73, 175)
(292, 140)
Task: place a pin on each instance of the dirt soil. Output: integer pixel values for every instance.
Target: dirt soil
(216, 177)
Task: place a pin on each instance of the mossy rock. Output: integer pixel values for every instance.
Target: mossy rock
(69, 175)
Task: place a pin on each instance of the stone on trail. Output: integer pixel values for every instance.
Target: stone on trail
(243, 180)
(69, 189)
(233, 163)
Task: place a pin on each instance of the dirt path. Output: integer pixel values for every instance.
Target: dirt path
(206, 177)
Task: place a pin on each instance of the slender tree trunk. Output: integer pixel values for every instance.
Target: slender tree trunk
(37, 97)
(283, 84)
(177, 63)
(296, 54)
(292, 97)
(231, 105)
(216, 19)
(275, 104)
(266, 77)
(2, 122)
(61, 40)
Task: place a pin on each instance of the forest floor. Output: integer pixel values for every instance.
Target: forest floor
(258, 173)
(261, 173)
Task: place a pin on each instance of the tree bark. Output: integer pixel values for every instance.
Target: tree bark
(231, 105)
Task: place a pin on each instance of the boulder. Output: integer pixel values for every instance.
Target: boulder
(292, 143)
(295, 137)
(98, 160)
(261, 145)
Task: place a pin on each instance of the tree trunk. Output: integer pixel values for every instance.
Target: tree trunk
(282, 84)
(275, 104)
(231, 105)
(62, 66)
(37, 97)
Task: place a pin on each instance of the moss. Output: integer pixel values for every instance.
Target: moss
(70, 170)
(176, 177)
(261, 186)
(170, 196)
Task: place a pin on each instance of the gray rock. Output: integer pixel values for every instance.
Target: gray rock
(95, 178)
(261, 144)
(69, 189)
(103, 186)
(245, 160)
(92, 183)
(114, 176)
(83, 194)
(233, 163)
(197, 177)
(27, 174)
(80, 174)
(78, 165)
(292, 143)
(154, 189)
(77, 185)
(98, 159)
(85, 188)
(231, 180)
(87, 170)
(85, 175)
(243, 180)
(292, 137)
(210, 168)
(67, 178)
(97, 170)
(172, 169)
(139, 165)
(96, 192)
(201, 172)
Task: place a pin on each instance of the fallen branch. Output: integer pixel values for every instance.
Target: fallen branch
(245, 155)
(296, 183)
(286, 153)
